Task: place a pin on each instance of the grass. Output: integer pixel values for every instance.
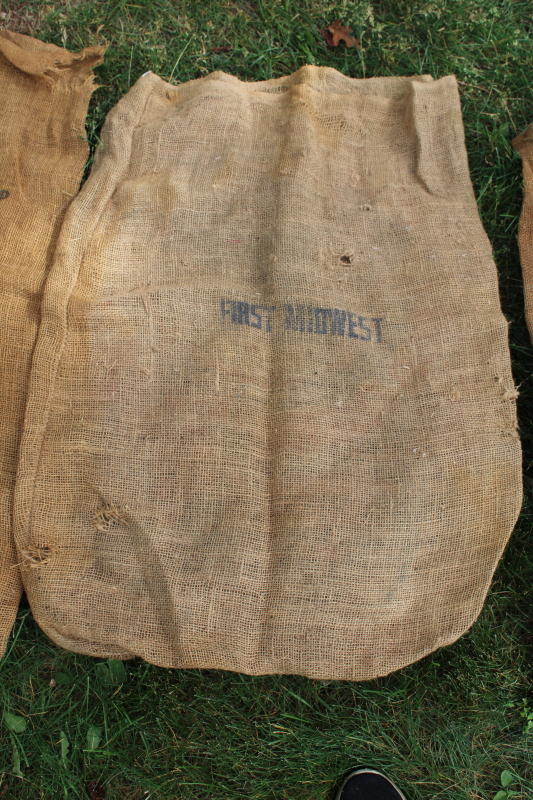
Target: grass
(445, 727)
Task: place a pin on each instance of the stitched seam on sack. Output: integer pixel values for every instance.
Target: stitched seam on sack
(51, 388)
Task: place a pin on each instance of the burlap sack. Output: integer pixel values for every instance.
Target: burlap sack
(279, 420)
(523, 144)
(44, 93)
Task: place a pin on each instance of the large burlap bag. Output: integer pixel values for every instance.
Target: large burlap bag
(523, 144)
(272, 420)
(44, 93)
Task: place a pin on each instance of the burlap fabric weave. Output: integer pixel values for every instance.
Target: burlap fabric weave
(523, 144)
(272, 421)
(44, 93)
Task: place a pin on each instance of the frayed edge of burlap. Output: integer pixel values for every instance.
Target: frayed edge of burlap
(48, 62)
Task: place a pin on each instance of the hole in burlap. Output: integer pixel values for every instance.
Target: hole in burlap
(36, 556)
(108, 515)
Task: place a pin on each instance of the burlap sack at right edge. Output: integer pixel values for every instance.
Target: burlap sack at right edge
(523, 144)
(44, 93)
(280, 430)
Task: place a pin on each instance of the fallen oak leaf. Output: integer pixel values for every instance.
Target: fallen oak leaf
(336, 32)
(340, 33)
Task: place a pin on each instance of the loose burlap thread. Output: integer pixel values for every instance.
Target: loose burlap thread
(44, 93)
(271, 425)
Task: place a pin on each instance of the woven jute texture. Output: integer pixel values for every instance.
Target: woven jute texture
(44, 93)
(271, 424)
(523, 144)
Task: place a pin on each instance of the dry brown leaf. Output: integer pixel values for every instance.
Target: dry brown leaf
(336, 32)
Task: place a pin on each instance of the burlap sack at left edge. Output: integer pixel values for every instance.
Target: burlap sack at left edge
(44, 95)
(523, 144)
